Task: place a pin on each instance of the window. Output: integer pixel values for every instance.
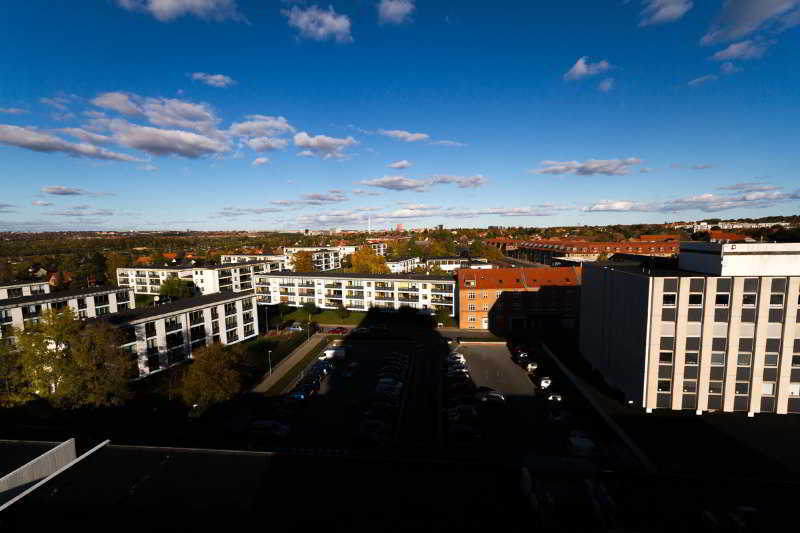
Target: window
(471, 318)
(232, 336)
(485, 294)
(721, 314)
(665, 358)
(471, 307)
(773, 345)
(779, 285)
(692, 358)
(723, 285)
(751, 285)
(471, 295)
(776, 315)
(670, 299)
(722, 299)
(150, 329)
(748, 315)
(776, 299)
(715, 387)
(485, 307)
(695, 299)
(692, 343)
(768, 389)
(230, 308)
(794, 389)
(667, 343)
(664, 385)
(717, 359)
(670, 285)
(695, 315)
(696, 285)
(668, 314)
(746, 345)
(719, 344)
(741, 389)
(100, 300)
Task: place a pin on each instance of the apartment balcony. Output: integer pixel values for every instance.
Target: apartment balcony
(408, 300)
(384, 298)
(196, 320)
(384, 286)
(246, 286)
(356, 295)
(306, 284)
(306, 301)
(355, 305)
(287, 293)
(306, 292)
(448, 301)
(176, 326)
(355, 286)
(408, 289)
(264, 298)
(442, 288)
(288, 285)
(333, 285)
(244, 279)
(141, 281)
(335, 294)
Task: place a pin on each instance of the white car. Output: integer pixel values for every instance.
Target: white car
(531, 367)
(545, 382)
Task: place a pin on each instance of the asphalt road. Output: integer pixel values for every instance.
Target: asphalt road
(491, 366)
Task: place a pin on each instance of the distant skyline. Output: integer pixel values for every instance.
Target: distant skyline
(238, 114)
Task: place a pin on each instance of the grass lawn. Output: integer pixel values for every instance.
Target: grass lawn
(281, 384)
(329, 316)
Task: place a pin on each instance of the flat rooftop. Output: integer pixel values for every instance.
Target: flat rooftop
(140, 313)
(59, 295)
(353, 275)
(23, 283)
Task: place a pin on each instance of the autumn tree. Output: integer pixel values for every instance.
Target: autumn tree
(176, 288)
(11, 382)
(303, 262)
(113, 262)
(366, 261)
(214, 376)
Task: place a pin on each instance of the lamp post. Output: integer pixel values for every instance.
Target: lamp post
(269, 358)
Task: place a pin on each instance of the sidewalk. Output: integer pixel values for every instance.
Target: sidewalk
(292, 360)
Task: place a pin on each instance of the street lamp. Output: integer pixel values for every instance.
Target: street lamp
(269, 358)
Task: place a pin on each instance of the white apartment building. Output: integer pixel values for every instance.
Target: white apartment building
(454, 263)
(164, 335)
(358, 292)
(148, 280)
(404, 265)
(86, 303)
(378, 247)
(276, 262)
(231, 277)
(718, 331)
(323, 257)
(18, 289)
(706, 226)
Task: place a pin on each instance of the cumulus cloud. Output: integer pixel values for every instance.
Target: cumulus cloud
(171, 112)
(41, 203)
(81, 211)
(729, 68)
(742, 50)
(322, 145)
(266, 144)
(397, 183)
(58, 102)
(403, 163)
(750, 186)
(12, 110)
(157, 141)
(260, 161)
(332, 196)
(707, 202)
(662, 11)
(168, 10)
(261, 126)
(590, 167)
(463, 182)
(60, 190)
(701, 80)
(232, 212)
(740, 18)
(86, 136)
(364, 192)
(118, 101)
(583, 69)
(606, 85)
(447, 143)
(395, 11)
(213, 80)
(403, 135)
(318, 24)
(148, 168)
(42, 142)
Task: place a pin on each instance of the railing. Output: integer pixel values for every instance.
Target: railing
(193, 320)
(172, 326)
(385, 298)
(292, 285)
(442, 288)
(415, 300)
(264, 298)
(442, 301)
(408, 289)
(384, 286)
(333, 285)
(306, 284)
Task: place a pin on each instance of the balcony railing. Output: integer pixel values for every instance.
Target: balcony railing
(264, 298)
(292, 285)
(442, 288)
(408, 289)
(385, 298)
(408, 300)
(442, 301)
(306, 284)
(333, 285)
(385, 286)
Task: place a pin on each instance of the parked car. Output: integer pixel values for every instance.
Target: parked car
(462, 413)
(554, 397)
(351, 370)
(545, 382)
(359, 331)
(295, 326)
(490, 396)
(581, 443)
(464, 434)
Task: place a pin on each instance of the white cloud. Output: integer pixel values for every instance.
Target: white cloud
(86, 136)
(662, 11)
(40, 203)
(118, 101)
(363, 192)
(167, 10)
(397, 183)
(148, 168)
(319, 24)
(739, 18)
(42, 142)
(447, 143)
(12, 110)
(305, 153)
(232, 212)
(729, 68)
(395, 11)
(159, 141)
(214, 80)
(265, 144)
(590, 167)
(60, 190)
(261, 126)
(260, 161)
(582, 69)
(463, 182)
(403, 135)
(322, 145)
(701, 80)
(171, 112)
(743, 50)
(81, 211)
(7, 208)
(750, 186)
(323, 198)
(645, 170)
(403, 163)
(58, 102)
(606, 85)
(707, 202)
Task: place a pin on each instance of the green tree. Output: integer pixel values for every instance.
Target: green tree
(176, 288)
(443, 316)
(366, 261)
(113, 262)
(310, 308)
(303, 262)
(11, 381)
(214, 376)
(342, 311)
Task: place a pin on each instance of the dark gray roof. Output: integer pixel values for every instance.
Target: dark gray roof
(140, 313)
(57, 296)
(353, 275)
(657, 267)
(236, 265)
(20, 282)
(183, 266)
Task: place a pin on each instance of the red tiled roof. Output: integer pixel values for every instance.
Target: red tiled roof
(519, 278)
(659, 237)
(724, 236)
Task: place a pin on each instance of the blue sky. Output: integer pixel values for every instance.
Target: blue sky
(217, 114)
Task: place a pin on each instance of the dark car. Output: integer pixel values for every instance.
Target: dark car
(461, 388)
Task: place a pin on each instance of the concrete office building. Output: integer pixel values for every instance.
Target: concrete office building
(358, 292)
(716, 330)
(85, 303)
(232, 277)
(148, 280)
(167, 334)
(18, 289)
(276, 263)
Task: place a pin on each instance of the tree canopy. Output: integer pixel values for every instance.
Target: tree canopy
(176, 288)
(303, 262)
(366, 261)
(214, 376)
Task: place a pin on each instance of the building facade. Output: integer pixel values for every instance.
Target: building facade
(85, 303)
(148, 280)
(404, 265)
(23, 288)
(276, 262)
(358, 292)
(716, 331)
(323, 257)
(232, 277)
(546, 250)
(507, 299)
(161, 336)
(449, 264)
(378, 247)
